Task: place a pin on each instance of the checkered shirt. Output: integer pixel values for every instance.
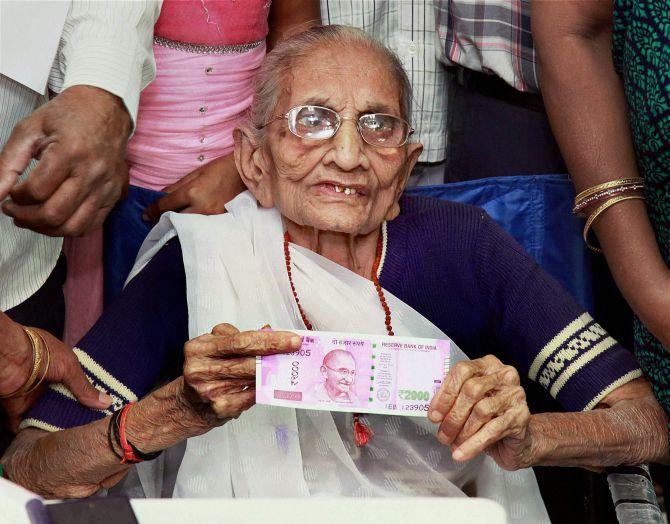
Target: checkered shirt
(408, 28)
(489, 36)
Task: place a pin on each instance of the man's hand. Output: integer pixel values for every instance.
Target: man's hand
(79, 138)
(16, 363)
(206, 190)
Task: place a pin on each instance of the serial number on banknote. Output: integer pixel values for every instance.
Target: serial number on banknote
(356, 373)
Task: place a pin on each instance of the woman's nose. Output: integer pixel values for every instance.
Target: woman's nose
(348, 146)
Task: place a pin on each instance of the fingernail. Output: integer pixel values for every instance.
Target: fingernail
(145, 217)
(457, 455)
(105, 399)
(435, 416)
(296, 342)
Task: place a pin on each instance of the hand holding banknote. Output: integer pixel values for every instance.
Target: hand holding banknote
(481, 407)
(219, 369)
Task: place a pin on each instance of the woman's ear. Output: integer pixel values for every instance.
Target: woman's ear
(251, 161)
(413, 153)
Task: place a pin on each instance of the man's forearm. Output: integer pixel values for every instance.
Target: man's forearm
(15, 355)
(632, 432)
(586, 105)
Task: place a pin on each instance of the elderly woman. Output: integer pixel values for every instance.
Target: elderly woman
(323, 240)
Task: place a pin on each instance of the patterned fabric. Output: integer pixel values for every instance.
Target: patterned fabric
(489, 36)
(642, 56)
(408, 28)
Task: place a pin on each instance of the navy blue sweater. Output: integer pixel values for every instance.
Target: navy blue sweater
(449, 261)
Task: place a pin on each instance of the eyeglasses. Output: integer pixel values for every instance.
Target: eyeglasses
(343, 372)
(321, 123)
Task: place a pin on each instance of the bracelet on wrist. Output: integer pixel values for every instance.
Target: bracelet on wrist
(40, 367)
(581, 206)
(117, 428)
(607, 204)
(607, 185)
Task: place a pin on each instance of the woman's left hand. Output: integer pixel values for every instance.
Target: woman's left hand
(481, 407)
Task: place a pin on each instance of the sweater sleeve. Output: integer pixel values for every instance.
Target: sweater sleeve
(553, 340)
(137, 342)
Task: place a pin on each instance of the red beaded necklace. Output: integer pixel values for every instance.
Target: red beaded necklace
(362, 433)
(375, 281)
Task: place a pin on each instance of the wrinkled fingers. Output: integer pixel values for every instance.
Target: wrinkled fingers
(215, 390)
(263, 343)
(461, 373)
(208, 369)
(224, 329)
(471, 393)
(246, 343)
(488, 408)
(232, 405)
(512, 422)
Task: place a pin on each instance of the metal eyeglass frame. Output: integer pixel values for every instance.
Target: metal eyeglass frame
(340, 119)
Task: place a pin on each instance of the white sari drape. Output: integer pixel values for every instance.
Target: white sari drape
(235, 273)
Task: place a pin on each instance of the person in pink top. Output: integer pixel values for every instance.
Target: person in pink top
(180, 156)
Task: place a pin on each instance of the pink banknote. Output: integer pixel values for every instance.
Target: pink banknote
(358, 373)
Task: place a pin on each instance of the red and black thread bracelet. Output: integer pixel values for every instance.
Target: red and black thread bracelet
(117, 427)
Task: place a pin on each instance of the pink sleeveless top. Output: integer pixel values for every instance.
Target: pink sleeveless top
(207, 52)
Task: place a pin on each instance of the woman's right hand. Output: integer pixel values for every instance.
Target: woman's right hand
(220, 369)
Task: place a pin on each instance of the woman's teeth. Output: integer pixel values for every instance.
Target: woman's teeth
(345, 190)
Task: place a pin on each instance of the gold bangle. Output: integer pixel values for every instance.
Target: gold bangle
(607, 185)
(41, 363)
(597, 212)
(47, 363)
(37, 360)
(581, 207)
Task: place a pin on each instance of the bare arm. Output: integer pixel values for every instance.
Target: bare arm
(631, 428)
(78, 462)
(218, 385)
(481, 407)
(287, 16)
(586, 105)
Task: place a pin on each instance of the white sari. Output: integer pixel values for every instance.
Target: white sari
(235, 273)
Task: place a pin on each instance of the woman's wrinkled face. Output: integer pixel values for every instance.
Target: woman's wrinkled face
(342, 183)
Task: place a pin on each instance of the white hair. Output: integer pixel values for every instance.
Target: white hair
(275, 69)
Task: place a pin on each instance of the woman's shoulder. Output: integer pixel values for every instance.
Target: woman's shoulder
(420, 206)
(434, 234)
(437, 219)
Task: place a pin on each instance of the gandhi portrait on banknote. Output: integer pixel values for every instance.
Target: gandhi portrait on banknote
(338, 370)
